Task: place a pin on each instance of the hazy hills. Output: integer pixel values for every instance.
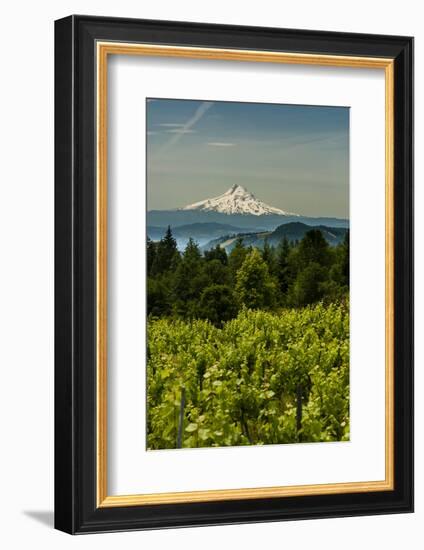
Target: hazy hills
(177, 218)
(208, 235)
(237, 207)
(293, 231)
(237, 211)
(202, 233)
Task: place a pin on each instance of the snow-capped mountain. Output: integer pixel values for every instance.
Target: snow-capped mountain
(237, 200)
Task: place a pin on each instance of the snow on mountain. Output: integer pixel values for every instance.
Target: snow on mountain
(237, 200)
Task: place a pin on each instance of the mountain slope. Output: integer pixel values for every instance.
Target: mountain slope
(200, 232)
(177, 218)
(294, 231)
(237, 200)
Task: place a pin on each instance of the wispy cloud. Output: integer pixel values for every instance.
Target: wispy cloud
(180, 131)
(221, 144)
(324, 139)
(172, 124)
(194, 119)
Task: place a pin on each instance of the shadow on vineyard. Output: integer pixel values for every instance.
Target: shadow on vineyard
(250, 347)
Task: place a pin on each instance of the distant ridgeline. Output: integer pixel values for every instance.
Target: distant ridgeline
(237, 213)
(293, 231)
(209, 235)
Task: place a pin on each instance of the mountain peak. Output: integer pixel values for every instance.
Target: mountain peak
(236, 200)
(236, 188)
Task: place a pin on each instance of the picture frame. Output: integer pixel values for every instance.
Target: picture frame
(83, 45)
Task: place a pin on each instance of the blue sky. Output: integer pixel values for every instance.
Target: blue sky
(293, 157)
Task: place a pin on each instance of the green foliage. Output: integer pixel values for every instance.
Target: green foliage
(344, 252)
(189, 281)
(292, 274)
(250, 338)
(308, 287)
(217, 304)
(164, 256)
(269, 257)
(237, 257)
(255, 287)
(217, 273)
(282, 265)
(150, 255)
(241, 380)
(159, 303)
(217, 253)
(313, 248)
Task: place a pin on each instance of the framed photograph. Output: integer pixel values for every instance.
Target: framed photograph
(234, 274)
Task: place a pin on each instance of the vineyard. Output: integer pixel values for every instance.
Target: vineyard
(262, 378)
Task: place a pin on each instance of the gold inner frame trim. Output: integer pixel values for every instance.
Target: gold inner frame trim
(104, 49)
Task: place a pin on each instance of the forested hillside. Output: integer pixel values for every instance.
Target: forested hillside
(247, 348)
(216, 285)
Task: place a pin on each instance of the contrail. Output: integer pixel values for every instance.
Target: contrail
(185, 129)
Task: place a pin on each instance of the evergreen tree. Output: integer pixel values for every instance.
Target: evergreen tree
(345, 259)
(213, 286)
(217, 273)
(268, 255)
(313, 248)
(217, 303)
(158, 297)
(309, 286)
(255, 287)
(192, 252)
(282, 265)
(189, 280)
(339, 272)
(237, 256)
(150, 255)
(217, 253)
(166, 254)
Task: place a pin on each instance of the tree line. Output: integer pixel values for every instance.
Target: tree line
(216, 285)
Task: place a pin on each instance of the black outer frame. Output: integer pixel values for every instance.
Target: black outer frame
(75, 275)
